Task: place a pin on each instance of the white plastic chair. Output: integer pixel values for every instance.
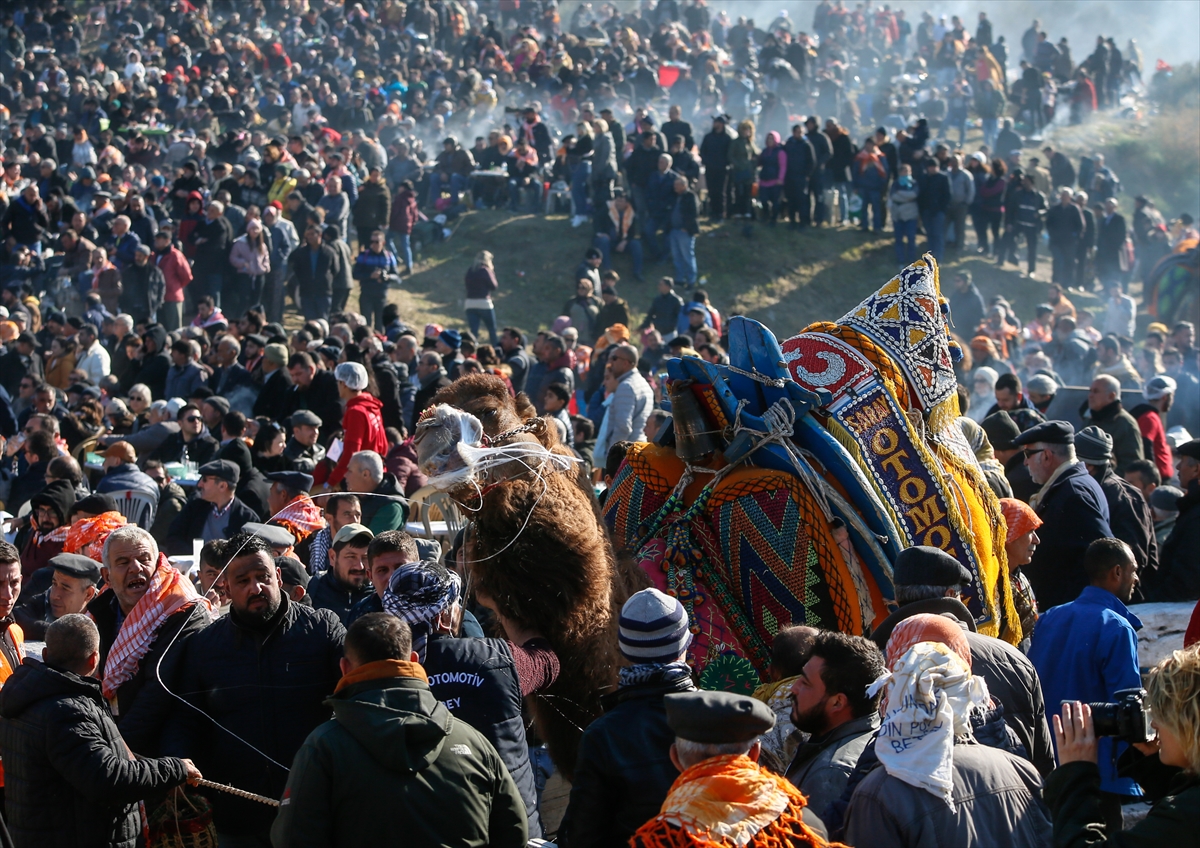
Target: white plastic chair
(137, 507)
(427, 501)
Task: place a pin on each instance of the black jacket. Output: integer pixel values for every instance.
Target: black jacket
(328, 593)
(321, 398)
(1178, 578)
(1074, 513)
(199, 450)
(1110, 235)
(300, 267)
(190, 523)
(687, 209)
(273, 393)
(1065, 225)
(212, 257)
(1011, 678)
(266, 684)
(70, 783)
(714, 150)
(142, 290)
(801, 161)
(477, 681)
(142, 704)
(1130, 519)
(624, 768)
(934, 196)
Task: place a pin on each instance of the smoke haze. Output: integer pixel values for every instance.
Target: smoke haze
(1163, 29)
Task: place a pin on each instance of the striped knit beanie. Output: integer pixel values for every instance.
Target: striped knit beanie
(653, 628)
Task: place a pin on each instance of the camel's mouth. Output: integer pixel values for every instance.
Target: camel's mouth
(441, 433)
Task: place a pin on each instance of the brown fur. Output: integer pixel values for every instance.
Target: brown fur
(557, 575)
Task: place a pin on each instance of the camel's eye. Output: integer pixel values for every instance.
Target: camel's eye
(489, 413)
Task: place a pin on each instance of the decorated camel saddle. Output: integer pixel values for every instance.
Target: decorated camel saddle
(789, 480)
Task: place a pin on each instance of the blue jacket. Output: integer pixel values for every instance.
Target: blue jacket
(1086, 650)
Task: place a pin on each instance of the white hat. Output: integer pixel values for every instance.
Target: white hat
(1158, 386)
(352, 374)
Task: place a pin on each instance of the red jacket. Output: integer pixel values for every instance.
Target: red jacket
(404, 212)
(176, 270)
(362, 429)
(1151, 425)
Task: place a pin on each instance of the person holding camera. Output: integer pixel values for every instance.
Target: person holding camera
(1086, 650)
(1073, 789)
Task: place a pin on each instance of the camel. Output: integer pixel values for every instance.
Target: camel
(536, 549)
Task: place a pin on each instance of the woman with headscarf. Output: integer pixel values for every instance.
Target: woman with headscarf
(772, 171)
(250, 257)
(938, 785)
(1019, 543)
(983, 393)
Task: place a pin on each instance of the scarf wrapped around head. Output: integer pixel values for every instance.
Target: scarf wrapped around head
(930, 697)
(927, 627)
(301, 517)
(419, 592)
(169, 591)
(87, 535)
(1020, 518)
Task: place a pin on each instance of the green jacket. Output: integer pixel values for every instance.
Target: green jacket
(391, 516)
(743, 156)
(393, 766)
(1073, 795)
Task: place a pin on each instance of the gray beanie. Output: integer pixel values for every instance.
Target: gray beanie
(1093, 446)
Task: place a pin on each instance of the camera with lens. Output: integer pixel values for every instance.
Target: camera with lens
(1126, 718)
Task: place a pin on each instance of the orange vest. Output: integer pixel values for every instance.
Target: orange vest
(6, 669)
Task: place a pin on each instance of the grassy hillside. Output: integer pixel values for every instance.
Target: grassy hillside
(782, 278)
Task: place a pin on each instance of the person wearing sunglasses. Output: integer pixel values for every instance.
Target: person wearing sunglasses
(192, 443)
(1072, 507)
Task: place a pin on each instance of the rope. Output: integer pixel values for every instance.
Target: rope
(777, 383)
(780, 420)
(241, 793)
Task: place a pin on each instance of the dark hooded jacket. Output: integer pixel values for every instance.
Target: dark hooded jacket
(70, 781)
(1130, 518)
(393, 747)
(154, 366)
(265, 683)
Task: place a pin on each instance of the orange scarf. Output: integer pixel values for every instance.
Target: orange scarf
(87, 536)
(730, 802)
(380, 669)
(301, 517)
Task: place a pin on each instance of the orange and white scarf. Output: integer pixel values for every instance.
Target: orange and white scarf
(301, 517)
(87, 535)
(169, 592)
(729, 801)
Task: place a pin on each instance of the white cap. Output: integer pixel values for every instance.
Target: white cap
(352, 374)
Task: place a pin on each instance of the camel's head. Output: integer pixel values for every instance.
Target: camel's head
(449, 443)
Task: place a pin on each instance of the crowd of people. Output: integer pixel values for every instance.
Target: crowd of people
(175, 173)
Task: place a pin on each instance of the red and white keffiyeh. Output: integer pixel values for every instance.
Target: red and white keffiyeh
(169, 591)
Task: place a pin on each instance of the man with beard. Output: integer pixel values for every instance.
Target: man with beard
(283, 659)
(12, 639)
(48, 525)
(831, 703)
(344, 583)
(144, 595)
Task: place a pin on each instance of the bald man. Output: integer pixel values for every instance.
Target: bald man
(1103, 408)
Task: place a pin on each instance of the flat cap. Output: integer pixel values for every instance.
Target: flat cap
(291, 571)
(1042, 385)
(924, 565)
(1191, 449)
(297, 480)
(350, 533)
(306, 417)
(1094, 446)
(1049, 432)
(218, 402)
(1000, 430)
(275, 536)
(1166, 498)
(77, 565)
(222, 469)
(716, 718)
